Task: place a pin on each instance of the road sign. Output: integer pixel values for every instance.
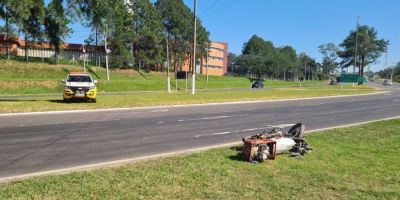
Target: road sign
(349, 78)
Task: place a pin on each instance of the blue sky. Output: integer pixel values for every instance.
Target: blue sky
(303, 24)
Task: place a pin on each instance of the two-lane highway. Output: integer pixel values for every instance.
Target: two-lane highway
(38, 142)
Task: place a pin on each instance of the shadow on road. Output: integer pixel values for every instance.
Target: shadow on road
(68, 102)
(19, 100)
(60, 101)
(57, 101)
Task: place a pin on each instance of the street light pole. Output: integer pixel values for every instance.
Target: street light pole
(194, 51)
(168, 79)
(355, 54)
(107, 51)
(207, 65)
(391, 75)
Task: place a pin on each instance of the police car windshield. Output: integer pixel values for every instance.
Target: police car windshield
(79, 78)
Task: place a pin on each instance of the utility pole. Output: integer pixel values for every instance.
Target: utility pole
(386, 65)
(107, 51)
(194, 51)
(386, 54)
(355, 54)
(84, 58)
(168, 79)
(7, 26)
(207, 65)
(391, 75)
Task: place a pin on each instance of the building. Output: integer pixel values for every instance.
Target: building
(215, 64)
(16, 47)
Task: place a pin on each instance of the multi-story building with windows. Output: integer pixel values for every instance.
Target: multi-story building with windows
(215, 63)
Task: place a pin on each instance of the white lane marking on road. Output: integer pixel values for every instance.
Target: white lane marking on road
(154, 111)
(229, 111)
(160, 122)
(250, 129)
(221, 133)
(67, 129)
(207, 118)
(395, 100)
(247, 130)
(72, 122)
(317, 104)
(228, 132)
(23, 125)
(217, 117)
(123, 113)
(111, 114)
(282, 125)
(309, 109)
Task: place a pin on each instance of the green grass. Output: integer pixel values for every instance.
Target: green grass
(18, 77)
(22, 104)
(352, 163)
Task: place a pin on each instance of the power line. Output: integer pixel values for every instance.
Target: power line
(226, 4)
(210, 7)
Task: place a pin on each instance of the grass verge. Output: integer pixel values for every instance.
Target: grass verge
(40, 78)
(352, 163)
(30, 104)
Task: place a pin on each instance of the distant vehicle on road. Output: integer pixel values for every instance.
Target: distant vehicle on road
(387, 82)
(257, 84)
(79, 86)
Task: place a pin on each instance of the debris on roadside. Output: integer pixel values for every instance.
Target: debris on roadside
(265, 145)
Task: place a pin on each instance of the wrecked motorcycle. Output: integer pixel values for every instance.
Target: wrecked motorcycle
(265, 145)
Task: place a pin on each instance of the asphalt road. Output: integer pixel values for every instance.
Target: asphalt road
(32, 143)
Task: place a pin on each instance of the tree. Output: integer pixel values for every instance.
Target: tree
(113, 19)
(387, 73)
(287, 61)
(12, 12)
(232, 59)
(32, 23)
(257, 46)
(148, 33)
(56, 24)
(259, 57)
(369, 48)
(178, 26)
(309, 69)
(329, 61)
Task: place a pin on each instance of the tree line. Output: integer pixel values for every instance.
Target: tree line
(261, 59)
(136, 31)
(391, 72)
